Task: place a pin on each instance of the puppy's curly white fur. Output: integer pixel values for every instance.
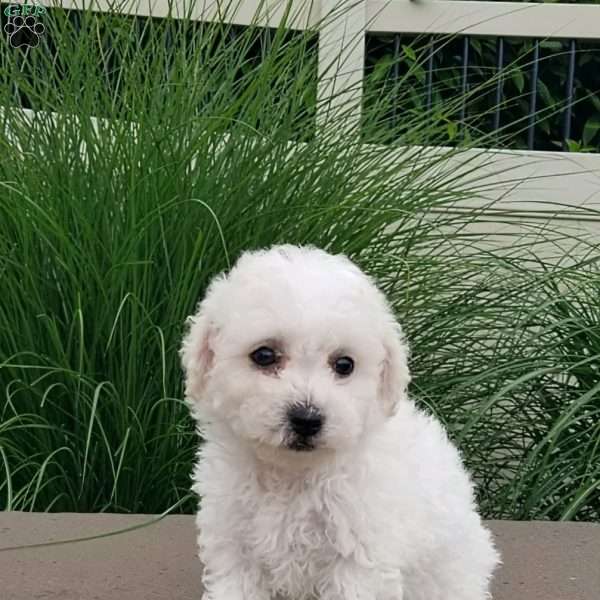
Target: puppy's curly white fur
(318, 476)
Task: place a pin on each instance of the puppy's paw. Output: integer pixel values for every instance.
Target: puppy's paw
(396, 594)
(235, 588)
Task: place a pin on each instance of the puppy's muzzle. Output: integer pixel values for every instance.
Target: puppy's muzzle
(305, 421)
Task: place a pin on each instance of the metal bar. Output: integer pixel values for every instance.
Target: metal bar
(265, 42)
(499, 82)
(465, 83)
(231, 34)
(74, 18)
(45, 41)
(430, 73)
(168, 42)
(569, 94)
(396, 77)
(533, 99)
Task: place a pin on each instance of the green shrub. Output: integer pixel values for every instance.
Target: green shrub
(110, 230)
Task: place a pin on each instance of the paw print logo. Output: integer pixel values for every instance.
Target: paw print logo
(24, 31)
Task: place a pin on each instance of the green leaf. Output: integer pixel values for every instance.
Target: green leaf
(518, 79)
(590, 129)
(544, 125)
(595, 100)
(551, 45)
(419, 73)
(409, 52)
(382, 67)
(545, 94)
(452, 129)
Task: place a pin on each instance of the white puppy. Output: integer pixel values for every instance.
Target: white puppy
(318, 476)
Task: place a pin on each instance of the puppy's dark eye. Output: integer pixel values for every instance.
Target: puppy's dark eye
(343, 366)
(264, 356)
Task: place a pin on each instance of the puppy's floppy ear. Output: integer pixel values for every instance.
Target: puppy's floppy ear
(395, 376)
(196, 353)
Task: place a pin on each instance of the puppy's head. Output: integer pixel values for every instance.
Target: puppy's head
(296, 351)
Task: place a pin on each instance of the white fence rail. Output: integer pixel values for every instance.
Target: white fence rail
(526, 19)
(518, 19)
(550, 177)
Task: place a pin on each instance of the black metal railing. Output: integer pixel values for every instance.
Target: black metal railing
(557, 85)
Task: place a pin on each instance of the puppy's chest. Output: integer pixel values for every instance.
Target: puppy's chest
(295, 537)
(290, 523)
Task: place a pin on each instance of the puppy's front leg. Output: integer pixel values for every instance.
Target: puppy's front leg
(393, 592)
(231, 590)
(229, 577)
(351, 581)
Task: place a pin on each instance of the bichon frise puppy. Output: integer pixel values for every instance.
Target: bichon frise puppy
(318, 477)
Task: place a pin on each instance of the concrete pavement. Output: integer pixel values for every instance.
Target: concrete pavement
(542, 561)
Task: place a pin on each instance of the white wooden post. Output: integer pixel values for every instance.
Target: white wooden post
(341, 61)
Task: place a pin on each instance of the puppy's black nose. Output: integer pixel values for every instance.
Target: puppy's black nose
(306, 421)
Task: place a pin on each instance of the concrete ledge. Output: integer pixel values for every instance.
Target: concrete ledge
(542, 561)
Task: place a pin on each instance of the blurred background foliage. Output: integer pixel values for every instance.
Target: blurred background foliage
(405, 59)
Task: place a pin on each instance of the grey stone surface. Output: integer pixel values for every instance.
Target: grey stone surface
(542, 561)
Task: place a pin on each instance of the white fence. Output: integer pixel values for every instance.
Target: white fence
(549, 178)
